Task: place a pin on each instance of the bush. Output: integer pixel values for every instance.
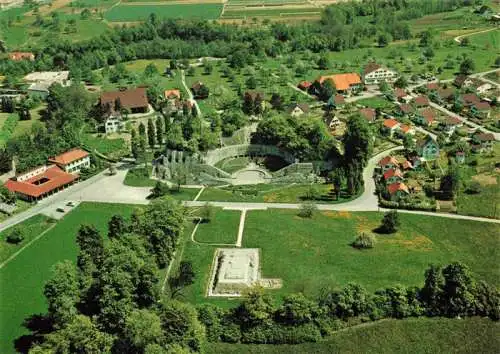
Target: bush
(390, 222)
(207, 213)
(16, 236)
(307, 210)
(474, 187)
(281, 334)
(364, 240)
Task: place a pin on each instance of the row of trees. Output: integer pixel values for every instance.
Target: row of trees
(110, 301)
(449, 291)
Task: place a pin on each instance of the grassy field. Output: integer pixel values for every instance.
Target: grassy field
(110, 147)
(138, 178)
(222, 227)
(486, 203)
(126, 13)
(310, 254)
(414, 335)
(31, 228)
(23, 278)
(272, 193)
(9, 122)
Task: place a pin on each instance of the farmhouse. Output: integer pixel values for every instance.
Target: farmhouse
(134, 100)
(388, 162)
(40, 182)
(484, 140)
(304, 85)
(404, 110)
(451, 123)
(18, 56)
(298, 109)
(480, 110)
(374, 73)
(397, 191)
(174, 94)
(113, 124)
(343, 82)
(470, 99)
(425, 117)
(421, 101)
(369, 114)
(393, 175)
(72, 161)
(390, 126)
(405, 129)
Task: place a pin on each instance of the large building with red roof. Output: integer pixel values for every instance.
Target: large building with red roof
(135, 100)
(40, 183)
(72, 161)
(343, 82)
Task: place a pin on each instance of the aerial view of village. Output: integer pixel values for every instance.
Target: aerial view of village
(249, 176)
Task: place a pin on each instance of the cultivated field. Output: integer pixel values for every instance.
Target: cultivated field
(140, 12)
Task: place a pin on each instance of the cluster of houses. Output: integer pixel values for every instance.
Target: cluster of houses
(60, 172)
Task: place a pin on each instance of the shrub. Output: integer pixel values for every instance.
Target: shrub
(16, 236)
(307, 210)
(364, 240)
(390, 222)
(207, 213)
(474, 187)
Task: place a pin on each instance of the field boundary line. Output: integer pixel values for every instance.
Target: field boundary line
(26, 246)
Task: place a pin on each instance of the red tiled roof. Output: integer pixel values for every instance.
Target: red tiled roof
(421, 101)
(55, 178)
(399, 92)
(406, 108)
(446, 93)
(342, 81)
(470, 98)
(398, 186)
(133, 98)
(388, 159)
(175, 93)
(339, 99)
(405, 128)
(432, 86)
(452, 121)
(368, 113)
(371, 67)
(69, 156)
(390, 123)
(17, 56)
(485, 137)
(482, 106)
(393, 173)
(304, 84)
(428, 115)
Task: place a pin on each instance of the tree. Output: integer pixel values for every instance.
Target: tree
(62, 293)
(307, 210)
(458, 290)
(337, 178)
(117, 227)
(151, 133)
(467, 66)
(207, 213)
(353, 300)
(159, 190)
(431, 293)
(142, 328)
(401, 82)
(142, 129)
(191, 71)
(256, 309)
(276, 102)
(497, 62)
(248, 104)
(408, 142)
(159, 130)
(15, 236)
(390, 222)
(134, 143)
(323, 62)
(297, 310)
(450, 183)
(327, 90)
(150, 70)
(251, 82)
(91, 247)
(184, 277)
(464, 42)
(383, 39)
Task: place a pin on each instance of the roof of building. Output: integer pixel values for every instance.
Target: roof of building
(460, 79)
(400, 93)
(406, 108)
(446, 92)
(432, 86)
(426, 140)
(371, 67)
(69, 156)
(47, 76)
(407, 165)
(17, 56)
(470, 98)
(130, 98)
(368, 113)
(421, 101)
(398, 186)
(482, 106)
(405, 128)
(485, 137)
(339, 99)
(427, 114)
(452, 121)
(342, 81)
(388, 160)
(302, 106)
(393, 172)
(175, 93)
(54, 176)
(304, 84)
(390, 123)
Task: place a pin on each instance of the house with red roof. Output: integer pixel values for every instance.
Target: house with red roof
(174, 94)
(337, 101)
(470, 99)
(451, 123)
(72, 161)
(480, 110)
(374, 73)
(432, 86)
(405, 129)
(390, 126)
(344, 83)
(369, 114)
(397, 191)
(404, 110)
(18, 56)
(484, 141)
(387, 163)
(393, 175)
(421, 101)
(134, 100)
(304, 85)
(407, 165)
(425, 117)
(40, 182)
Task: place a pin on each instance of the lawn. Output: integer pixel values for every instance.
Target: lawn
(486, 203)
(222, 227)
(376, 102)
(23, 278)
(310, 254)
(31, 228)
(9, 123)
(112, 148)
(140, 12)
(138, 177)
(413, 335)
(272, 193)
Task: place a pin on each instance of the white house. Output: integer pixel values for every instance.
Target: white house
(374, 73)
(72, 161)
(113, 124)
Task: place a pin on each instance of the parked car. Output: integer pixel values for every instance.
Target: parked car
(60, 210)
(70, 204)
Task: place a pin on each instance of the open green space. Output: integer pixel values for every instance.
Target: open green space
(274, 193)
(110, 147)
(486, 203)
(222, 227)
(30, 229)
(231, 165)
(9, 123)
(414, 335)
(126, 13)
(138, 177)
(311, 254)
(24, 277)
(269, 12)
(376, 102)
